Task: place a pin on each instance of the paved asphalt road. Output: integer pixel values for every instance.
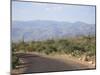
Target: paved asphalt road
(33, 63)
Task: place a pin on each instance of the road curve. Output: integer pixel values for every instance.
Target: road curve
(33, 63)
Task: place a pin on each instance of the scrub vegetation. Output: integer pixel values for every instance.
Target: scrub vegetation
(77, 47)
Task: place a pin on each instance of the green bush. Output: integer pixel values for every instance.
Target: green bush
(75, 46)
(15, 61)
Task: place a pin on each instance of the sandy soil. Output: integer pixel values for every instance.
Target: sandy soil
(37, 63)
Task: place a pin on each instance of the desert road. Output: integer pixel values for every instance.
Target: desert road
(34, 63)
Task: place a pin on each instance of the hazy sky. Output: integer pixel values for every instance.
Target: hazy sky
(24, 11)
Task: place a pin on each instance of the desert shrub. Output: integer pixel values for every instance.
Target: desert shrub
(75, 46)
(15, 60)
(76, 53)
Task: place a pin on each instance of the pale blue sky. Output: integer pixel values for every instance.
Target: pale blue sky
(25, 11)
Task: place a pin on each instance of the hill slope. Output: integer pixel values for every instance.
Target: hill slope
(42, 29)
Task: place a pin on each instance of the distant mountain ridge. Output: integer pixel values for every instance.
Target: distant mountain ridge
(42, 29)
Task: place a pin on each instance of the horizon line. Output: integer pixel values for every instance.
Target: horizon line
(52, 21)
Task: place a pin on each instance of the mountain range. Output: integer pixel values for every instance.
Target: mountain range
(44, 29)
